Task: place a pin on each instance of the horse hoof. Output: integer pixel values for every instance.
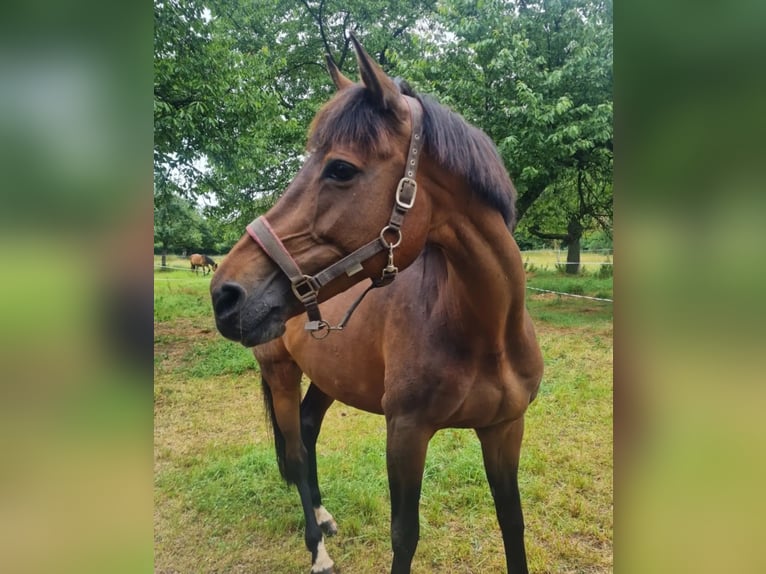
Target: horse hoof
(330, 528)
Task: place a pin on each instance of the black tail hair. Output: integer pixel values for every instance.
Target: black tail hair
(279, 438)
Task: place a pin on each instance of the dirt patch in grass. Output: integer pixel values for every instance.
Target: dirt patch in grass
(193, 418)
(172, 340)
(593, 332)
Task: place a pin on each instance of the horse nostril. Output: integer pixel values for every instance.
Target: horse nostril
(227, 299)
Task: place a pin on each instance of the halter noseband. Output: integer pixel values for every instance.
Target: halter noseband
(306, 287)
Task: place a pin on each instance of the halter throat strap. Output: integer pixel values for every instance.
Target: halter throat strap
(306, 287)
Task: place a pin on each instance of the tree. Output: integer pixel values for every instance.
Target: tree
(186, 99)
(237, 84)
(193, 71)
(585, 204)
(177, 224)
(578, 51)
(536, 76)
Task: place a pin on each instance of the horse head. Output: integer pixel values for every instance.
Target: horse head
(341, 220)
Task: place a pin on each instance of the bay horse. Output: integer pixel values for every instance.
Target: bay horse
(402, 191)
(202, 261)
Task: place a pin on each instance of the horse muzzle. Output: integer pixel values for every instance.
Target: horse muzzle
(249, 318)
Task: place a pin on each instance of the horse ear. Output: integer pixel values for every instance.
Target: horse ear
(383, 90)
(338, 78)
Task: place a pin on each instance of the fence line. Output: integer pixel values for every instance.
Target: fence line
(169, 279)
(605, 249)
(158, 266)
(573, 263)
(571, 294)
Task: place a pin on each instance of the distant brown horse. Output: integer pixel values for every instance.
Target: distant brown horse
(202, 261)
(399, 190)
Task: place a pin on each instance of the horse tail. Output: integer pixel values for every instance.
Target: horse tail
(279, 438)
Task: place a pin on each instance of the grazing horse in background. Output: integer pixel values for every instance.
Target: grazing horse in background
(399, 190)
(202, 261)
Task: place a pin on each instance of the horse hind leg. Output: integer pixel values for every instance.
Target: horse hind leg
(313, 408)
(282, 394)
(501, 447)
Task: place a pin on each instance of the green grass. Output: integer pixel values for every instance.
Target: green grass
(545, 271)
(220, 504)
(588, 285)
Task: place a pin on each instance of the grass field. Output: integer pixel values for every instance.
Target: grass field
(220, 505)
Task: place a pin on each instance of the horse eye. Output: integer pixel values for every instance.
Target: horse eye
(340, 170)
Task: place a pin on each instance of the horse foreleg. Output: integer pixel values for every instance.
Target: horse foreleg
(313, 408)
(283, 392)
(406, 447)
(501, 446)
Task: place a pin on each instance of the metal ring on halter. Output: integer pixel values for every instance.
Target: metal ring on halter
(398, 236)
(322, 331)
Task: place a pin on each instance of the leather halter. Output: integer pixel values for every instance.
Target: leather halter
(306, 287)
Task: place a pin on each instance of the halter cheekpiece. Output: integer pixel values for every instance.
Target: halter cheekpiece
(306, 287)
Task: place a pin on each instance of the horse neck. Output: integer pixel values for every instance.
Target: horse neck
(485, 271)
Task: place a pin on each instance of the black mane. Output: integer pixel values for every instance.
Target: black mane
(466, 150)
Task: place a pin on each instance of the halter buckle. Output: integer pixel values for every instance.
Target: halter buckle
(403, 201)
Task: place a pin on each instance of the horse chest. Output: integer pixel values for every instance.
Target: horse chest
(355, 379)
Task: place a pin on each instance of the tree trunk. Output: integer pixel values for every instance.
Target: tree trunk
(164, 254)
(574, 233)
(573, 256)
(572, 239)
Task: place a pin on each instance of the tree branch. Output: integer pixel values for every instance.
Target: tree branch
(346, 42)
(321, 28)
(542, 235)
(524, 202)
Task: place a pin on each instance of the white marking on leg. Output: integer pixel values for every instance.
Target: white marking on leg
(323, 563)
(322, 515)
(325, 520)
